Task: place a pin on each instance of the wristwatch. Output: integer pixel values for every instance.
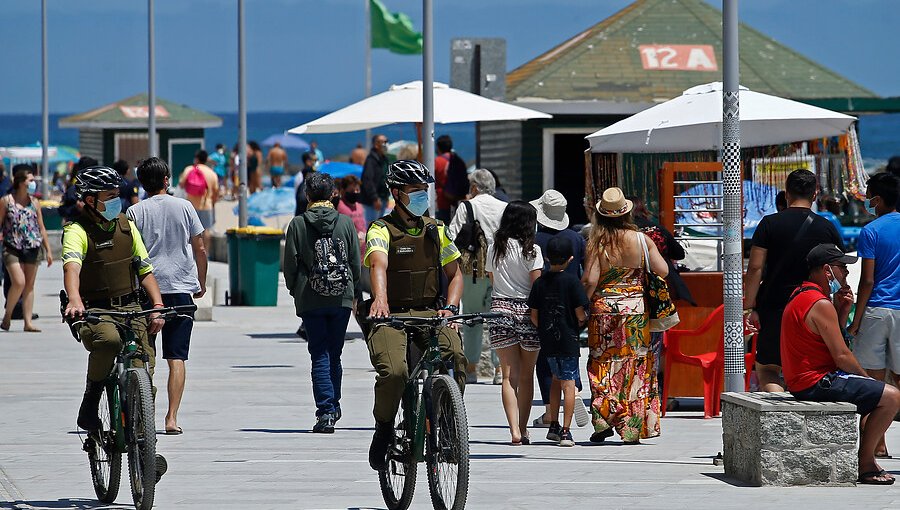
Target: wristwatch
(452, 308)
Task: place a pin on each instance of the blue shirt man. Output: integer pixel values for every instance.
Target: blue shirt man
(876, 323)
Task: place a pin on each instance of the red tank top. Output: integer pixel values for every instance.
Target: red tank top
(805, 358)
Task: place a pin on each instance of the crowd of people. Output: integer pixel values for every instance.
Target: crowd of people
(523, 260)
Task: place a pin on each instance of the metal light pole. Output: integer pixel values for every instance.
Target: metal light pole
(428, 92)
(368, 31)
(733, 215)
(242, 118)
(45, 108)
(152, 146)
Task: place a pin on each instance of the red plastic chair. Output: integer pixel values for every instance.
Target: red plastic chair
(711, 363)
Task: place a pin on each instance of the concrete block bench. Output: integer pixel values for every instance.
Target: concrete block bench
(774, 439)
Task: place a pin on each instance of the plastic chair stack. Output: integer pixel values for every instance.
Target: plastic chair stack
(712, 364)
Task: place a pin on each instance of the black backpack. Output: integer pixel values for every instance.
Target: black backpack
(472, 244)
(329, 273)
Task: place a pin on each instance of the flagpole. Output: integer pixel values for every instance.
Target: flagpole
(368, 22)
(242, 120)
(151, 83)
(45, 105)
(428, 92)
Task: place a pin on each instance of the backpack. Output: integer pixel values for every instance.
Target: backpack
(457, 180)
(195, 184)
(472, 245)
(329, 274)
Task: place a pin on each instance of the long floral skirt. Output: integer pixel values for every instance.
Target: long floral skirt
(621, 368)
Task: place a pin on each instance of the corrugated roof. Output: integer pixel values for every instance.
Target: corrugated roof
(653, 50)
(133, 112)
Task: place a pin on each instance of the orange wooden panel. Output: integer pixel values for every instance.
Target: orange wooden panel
(667, 187)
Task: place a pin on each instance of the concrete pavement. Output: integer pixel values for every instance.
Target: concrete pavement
(248, 409)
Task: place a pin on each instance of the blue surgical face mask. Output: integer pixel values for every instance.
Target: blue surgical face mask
(869, 207)
(418, 202)
(113, 208)
(833, 284)
(32, 187)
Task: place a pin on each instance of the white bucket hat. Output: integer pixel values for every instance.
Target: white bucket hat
(551, 210)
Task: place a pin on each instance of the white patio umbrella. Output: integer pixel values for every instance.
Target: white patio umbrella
(693, 122)
(403, 103)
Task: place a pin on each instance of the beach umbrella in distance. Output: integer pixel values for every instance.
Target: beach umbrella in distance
(403, 103)
(271, 202)
(693, 122)
(287, 141)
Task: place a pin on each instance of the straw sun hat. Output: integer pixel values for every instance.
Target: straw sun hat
(614, 204)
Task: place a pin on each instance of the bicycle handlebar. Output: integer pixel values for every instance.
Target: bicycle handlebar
(400, 322)
(167, 313)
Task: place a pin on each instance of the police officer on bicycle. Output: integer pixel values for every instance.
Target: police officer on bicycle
(104, 263)
(405, 252)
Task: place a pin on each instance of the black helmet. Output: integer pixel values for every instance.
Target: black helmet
(96, 179)
(407, 172)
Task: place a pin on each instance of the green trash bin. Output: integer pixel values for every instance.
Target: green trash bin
(254, 261)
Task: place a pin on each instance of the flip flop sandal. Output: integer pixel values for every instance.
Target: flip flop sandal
(884, 455)
(174, 432)
(871, 478)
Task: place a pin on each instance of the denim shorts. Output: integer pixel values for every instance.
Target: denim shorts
(838, 386)
(564, 368)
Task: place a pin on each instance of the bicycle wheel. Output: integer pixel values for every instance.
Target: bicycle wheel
(104, 456)
(398, 481)
(141, 431)
(447, 455)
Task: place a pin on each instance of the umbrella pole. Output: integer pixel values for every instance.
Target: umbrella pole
(242, 119)
(45, 108)
(733, 210)
(427, 151)
(419, 142)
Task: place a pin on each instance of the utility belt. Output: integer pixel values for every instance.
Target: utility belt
(116, 302)
(407, 309)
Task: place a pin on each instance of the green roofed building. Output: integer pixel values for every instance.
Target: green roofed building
(647, 53)
(119, 131)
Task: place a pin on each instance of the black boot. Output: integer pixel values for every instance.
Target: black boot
(381, 441)
(88, 418)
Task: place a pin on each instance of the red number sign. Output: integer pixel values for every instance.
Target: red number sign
(678, 57)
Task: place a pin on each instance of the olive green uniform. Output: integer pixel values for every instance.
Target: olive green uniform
(112, 257)
(415, 259)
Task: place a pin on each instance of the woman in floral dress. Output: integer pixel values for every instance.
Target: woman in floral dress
(624, 394)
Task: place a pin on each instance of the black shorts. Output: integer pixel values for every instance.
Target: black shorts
(176, 334)
(768, 343)
(865, 392)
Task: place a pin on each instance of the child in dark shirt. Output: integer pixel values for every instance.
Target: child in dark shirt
(558, 309)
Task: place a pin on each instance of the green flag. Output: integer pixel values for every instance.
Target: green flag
(394, 31)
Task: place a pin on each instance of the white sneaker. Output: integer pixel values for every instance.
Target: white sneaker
(582, 417)
(540, 423)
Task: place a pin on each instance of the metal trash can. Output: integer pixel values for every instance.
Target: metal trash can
(254, 261)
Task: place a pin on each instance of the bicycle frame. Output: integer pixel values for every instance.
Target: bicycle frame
(420, 401)
(116, 381)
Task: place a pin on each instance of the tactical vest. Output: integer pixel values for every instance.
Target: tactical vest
(414, 262)
(107, 271)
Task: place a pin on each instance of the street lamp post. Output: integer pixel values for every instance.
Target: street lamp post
(242, 118)
(45, 105)
(428, 92)
(152, 146)
(733, 221)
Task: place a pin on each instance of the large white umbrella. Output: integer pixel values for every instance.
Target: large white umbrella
(693, 122)
(403, 103)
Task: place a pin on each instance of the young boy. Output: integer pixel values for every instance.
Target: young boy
(558, 305)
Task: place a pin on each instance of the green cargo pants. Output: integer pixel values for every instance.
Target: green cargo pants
(103, 342)
(387, 350)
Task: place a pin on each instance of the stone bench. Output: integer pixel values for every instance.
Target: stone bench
(774, 439)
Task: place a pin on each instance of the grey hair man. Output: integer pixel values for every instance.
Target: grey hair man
(486, 211)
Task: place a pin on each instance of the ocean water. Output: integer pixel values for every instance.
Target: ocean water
(879, 134)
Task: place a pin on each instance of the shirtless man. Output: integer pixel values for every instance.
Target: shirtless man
(277, 160)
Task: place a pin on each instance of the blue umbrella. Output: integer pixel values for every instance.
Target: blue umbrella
(339, 169)
(287, 141)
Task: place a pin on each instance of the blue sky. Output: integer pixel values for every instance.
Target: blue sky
(308, 54)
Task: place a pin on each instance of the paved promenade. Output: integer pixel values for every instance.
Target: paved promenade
(248, 409)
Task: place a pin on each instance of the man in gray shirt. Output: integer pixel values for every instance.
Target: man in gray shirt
(173, 234)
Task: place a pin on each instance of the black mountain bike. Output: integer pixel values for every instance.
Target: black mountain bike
(126, 412)
(431, 423)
